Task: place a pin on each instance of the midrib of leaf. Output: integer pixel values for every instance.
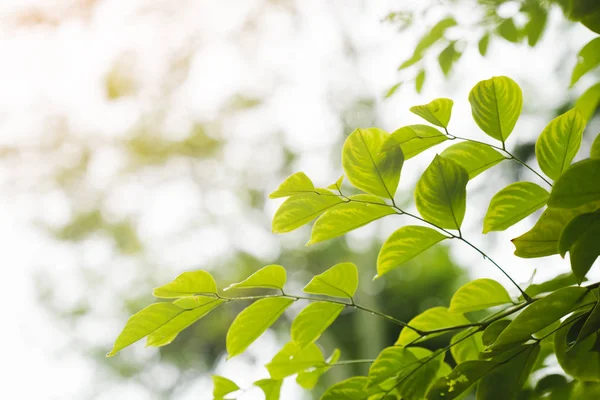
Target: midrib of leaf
(498, 112)
(448, 198)
(375, 166)
(528, 212)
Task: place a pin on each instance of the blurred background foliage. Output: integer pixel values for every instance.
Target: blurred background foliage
(166, 197)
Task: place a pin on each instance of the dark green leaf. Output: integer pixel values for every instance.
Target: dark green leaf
(313, 320)
(562, 280)
(187, 284)
(414, 139)
(479, 295)
(269, 277)
(437, 112)
(461, 379)
(435, 34)
(298, 183)
(223, 386)
(578, 361)
(491, 333)
(595, 150)
(466, 345)
(578, 185)
(473, 157)
(341, 280)
(587, 59)
(538, 17)
(300, 209)
(580, 239)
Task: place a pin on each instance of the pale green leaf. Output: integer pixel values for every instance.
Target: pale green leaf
(292, 359)
(145, 322)
(461, 379)
(389, 363)
(588, 102)
(309, 379)
(253, 321)
(338, 184)
(269, 277)
(195, 308)
(479, 295)
(368, 166)
(581, 361)
(587, 59)
(187, 284)
(313, 320)
(223, 386)
(433, 318)
(437, 112)
(405, 244)
(473, 157)
(496, 104)
(392, 90)
(539, 315)
(341, 280)
(595, 150)
(448, 57)
(578, 185)
(298, 183)
(513, 203)
(300, 209)
(441, 193)
(414, 139)
(483, 44)
(350, 389)
(580, 239)
(358, 211)
(466, 345)
(431, 37)
(558, 143)
(270, 387)
(420, 80)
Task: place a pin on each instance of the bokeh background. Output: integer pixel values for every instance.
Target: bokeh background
(139, 139)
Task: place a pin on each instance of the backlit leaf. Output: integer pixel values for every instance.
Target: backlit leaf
(587, 59)
(479, 295)
(309, 379)
(414, 139)
(437, 112)
(496, 104)
(578, 185)
(341, 280)
(390, 363)
(473, 157)
(536, 25)
(580, 239)
(513, 203)
(349, 389)
(269, 277)
(559, 142)
(338, 184)
(298, 183)
(300, 209)
(588, 102)
(433, 318)
(405, 244)
(461, 379)
(466, 345)
(448, 57)
(360, 210)
(270, 387)
(223, 386)
(441, 193)
(187, 284)
(313, 320)
(253, 321)
(292, 359)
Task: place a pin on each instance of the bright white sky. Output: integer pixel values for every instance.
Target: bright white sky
(53, 78)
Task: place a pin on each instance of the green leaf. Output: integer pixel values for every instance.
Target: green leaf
(309, 379)
(390, 362)
(420, 80)
(300, 209)
(441, 193)
(392, 90)
(540, 314)
(405, 244)
(491, 333)
(595, 150)
(542, 239)
(508, 30)
(479, 295)
(557, 145)
(448, 57)
(587, 59)
(437, 112)
(483, 44)
(341, 280)
(195, 308)
(270, 387)
(578, 185)
(580, 239)
(414, 139)
(223, 386)
(338, 184)
(473, 157)
(507, 379)
(143, 323)
(538, 17)
(513, 203)
(368, 166)
(349, 389)
(358, 211)
(253, 321)
(579, 361)
(434, 34)
(411, 61)
(433, 318)
(591, 325)
(298, 183)
(560, 281)
(414, 382)
(466, 348)
(496, 104)
(292, 359)
(269, 277)
(461, 379)
(588, 102)
(187, 284)
(313, 320)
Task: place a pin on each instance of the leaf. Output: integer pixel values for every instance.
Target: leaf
(420, 80)
(270, 387)
(437, 112)
(508, 30)
(341, 280)
(448, 57)
(309, 379)
(580, 239)
(253, 321)
(298, 183)
(414, 383)
(496, 104)
(595, 150)
(461, 379)
(369, 167)
(507, 379)
(483, 44)
(587, 59)
(513, 203)
(560, 281)
(414, 139)
(405, 244)
(223, 386)
(542, 239)
(491, 333)
(579, 185)
(441, 193)
(269, 277)
(389, 363)
(427, 40)
(538, 17)
(143, 323)
(479, 295)
(292, 359)
(349, 389)
(578, 361)
(194, 308)
(313, 320)
(591, 325)
(558, 143)
(300, 209)
(433, 318)
(358, 211)
(187, 284)
(588, 102)
(540, 314)
(392, 90)
(338, 184)
(466, 349)
(473, 157)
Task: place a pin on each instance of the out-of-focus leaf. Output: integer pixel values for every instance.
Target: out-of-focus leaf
(448, 57)
(491, 333)
(595, 149)
(560, 281)
(420, 80)
(587, 59)
(392, 90)
(483, 44)
(351, 389)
